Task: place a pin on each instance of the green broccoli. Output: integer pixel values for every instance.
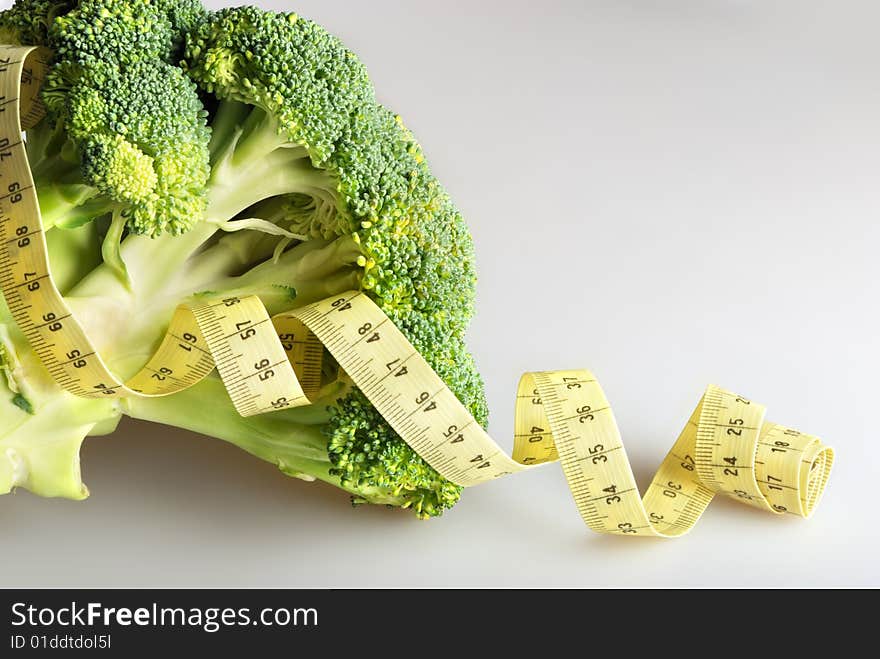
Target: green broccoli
(126, 134)
(313, 189)
(131, 142)
(28, 21)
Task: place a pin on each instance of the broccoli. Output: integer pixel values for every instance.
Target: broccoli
(27, 21)
(126, 135)
(258, 163)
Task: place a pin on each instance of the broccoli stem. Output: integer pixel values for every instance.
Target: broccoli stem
(251, 162)
(41, 425)
(292, 439)
(68, 205)
(206, 408)
(40, 451)
(309, 272)
(127, 328)
(64, 198)
(44, 141)
(73, 253)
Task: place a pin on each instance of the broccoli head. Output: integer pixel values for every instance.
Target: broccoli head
(302, 186)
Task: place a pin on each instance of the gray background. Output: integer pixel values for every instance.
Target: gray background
(619, 163)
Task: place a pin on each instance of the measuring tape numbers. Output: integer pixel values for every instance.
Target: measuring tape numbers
(270, 363)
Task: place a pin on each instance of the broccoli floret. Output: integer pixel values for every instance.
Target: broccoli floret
(131, 141)
(286, 92)
(126, 133)
(97, 34)
(123, 31)
(184, 16)
(27, 22)
(300, 148)
(165, 22)
(143, 140)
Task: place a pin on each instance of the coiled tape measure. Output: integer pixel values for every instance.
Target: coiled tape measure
(272, 363)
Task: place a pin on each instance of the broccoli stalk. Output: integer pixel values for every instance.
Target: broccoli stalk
(205, 409)
(42, 426)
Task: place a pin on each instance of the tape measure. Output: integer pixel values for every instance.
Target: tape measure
(267, 364)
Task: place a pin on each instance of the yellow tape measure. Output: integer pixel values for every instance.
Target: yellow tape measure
(272, 363)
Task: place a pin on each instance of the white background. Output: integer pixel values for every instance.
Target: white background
(670, 194)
